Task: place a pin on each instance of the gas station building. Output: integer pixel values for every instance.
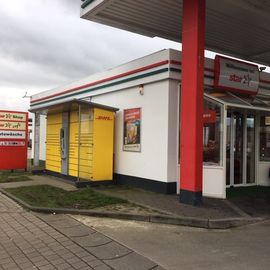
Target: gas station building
(181, 122)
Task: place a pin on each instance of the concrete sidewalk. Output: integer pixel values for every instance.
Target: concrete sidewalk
(41, 180)
(159, 208)
(215, 209)
(39, 241)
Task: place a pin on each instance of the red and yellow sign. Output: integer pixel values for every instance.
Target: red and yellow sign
(12, 125)
(13, 140)
(12, 116)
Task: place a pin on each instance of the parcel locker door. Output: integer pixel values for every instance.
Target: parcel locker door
(64, 143)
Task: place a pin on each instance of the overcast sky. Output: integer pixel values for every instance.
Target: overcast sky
(44, 43)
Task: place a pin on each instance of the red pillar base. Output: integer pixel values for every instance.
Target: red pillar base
(191, 197)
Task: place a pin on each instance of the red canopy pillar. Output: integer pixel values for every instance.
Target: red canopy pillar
(191, 141)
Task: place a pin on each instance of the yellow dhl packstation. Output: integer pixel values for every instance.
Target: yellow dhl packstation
(79, 141)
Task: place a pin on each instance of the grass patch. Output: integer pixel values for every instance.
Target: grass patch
(253, 191)
(53, 197)
(7, 177)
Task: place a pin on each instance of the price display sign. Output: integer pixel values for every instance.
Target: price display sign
(13, 140)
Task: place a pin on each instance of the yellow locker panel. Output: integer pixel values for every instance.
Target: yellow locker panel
(53, 154)
(73, 143)
(103, 145)
(86, 144)
(90, 145)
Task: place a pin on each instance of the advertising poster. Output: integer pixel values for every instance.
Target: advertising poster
(132, 130)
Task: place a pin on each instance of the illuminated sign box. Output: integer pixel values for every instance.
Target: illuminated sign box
(236, 76)
(13, 140)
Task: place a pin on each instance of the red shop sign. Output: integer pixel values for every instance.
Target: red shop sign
(209, 116)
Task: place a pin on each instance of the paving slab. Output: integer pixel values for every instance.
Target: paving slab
(67, 225)
(39, 241)
(62, 224)
(93, 240)
(76, 231)
(132, 261)
(110, 251)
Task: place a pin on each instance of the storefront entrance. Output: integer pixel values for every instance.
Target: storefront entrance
(240, 147)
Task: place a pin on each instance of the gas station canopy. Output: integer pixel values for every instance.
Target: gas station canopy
(237, 28)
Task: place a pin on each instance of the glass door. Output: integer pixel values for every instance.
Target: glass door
(250, 149)
(240, 153)
(238, 149)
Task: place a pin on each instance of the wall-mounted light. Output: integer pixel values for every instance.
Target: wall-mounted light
(141, 89)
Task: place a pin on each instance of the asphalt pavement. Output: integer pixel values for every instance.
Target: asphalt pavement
(188, 248)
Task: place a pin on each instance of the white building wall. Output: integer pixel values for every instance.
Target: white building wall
(151, 162)
(263, 178)
(214, 182)
(173, 131)
(42, 138)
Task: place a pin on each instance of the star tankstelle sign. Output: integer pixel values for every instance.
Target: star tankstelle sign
(13, 140)
(236, 76)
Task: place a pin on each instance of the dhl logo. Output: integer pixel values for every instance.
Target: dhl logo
(101, 117)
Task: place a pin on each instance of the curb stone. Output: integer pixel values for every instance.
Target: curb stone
(172, 220)
(183, 221)
(232, 222)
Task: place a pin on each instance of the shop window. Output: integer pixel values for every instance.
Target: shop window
(265, 138)
(212, 134)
